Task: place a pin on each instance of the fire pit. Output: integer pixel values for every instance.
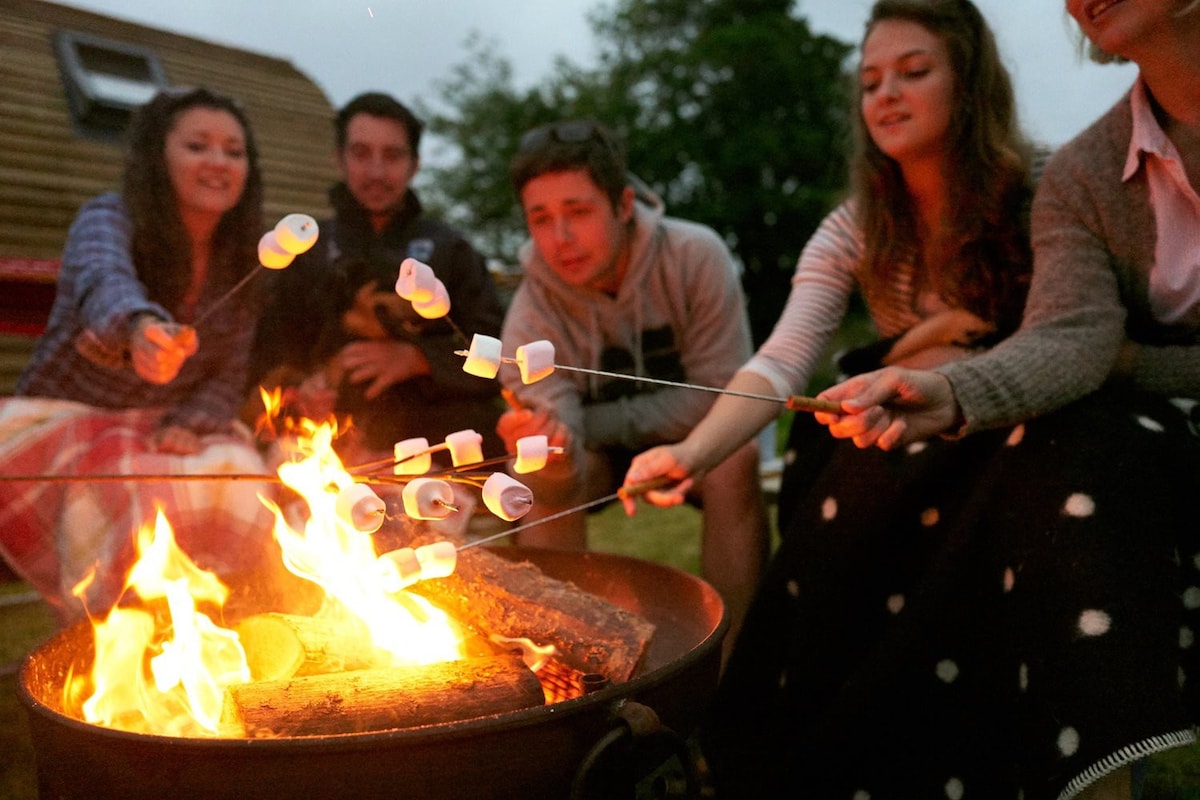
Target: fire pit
(618, 742)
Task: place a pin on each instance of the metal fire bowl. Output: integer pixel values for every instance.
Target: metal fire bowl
(582, 748)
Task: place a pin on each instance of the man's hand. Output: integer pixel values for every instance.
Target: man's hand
(381, 363)
(891, 407)
(517, 423)
(158, 349)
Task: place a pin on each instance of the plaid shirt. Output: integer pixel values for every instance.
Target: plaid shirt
(83, 355)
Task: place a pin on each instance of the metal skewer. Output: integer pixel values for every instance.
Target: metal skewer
(631, 490)
(795, 402)
(208, 312)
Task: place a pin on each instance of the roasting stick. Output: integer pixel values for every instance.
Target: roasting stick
(291, 236)
(795, 402)
(631, 490)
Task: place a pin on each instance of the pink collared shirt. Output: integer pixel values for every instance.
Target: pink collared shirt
(1175, 276)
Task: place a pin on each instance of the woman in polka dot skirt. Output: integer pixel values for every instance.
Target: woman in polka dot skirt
(1086, 530)
(985, 616)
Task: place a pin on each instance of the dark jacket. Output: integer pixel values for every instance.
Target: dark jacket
(302, 326)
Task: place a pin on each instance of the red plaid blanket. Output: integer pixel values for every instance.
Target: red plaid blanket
(55, 533)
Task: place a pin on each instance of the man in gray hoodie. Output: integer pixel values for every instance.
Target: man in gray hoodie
(617, 286)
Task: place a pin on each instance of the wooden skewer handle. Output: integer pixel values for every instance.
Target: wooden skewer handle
(636, 489)
(801, 403)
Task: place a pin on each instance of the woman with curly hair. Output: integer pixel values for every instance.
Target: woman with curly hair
(134, 375)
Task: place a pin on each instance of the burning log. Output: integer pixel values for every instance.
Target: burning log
(281, 646)
(382, 699)
(497, 596)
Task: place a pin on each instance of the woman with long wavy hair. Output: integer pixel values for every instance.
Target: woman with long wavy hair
(872, 660)
(141, 368)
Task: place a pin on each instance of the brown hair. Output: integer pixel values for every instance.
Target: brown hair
(986, 256)
(161, 248)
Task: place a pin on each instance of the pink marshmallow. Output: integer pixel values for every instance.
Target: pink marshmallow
(466, 447)
(435, 308)
(532, 452)
(437, 559)
(270, 254)
(506, 497)
(427, 498)
(483, 359)
(398, 569)
(360, 507)
(407, 458)
(536, 360)
(416, 281)
(296, 233)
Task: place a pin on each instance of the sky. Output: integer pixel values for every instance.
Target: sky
(406, 46)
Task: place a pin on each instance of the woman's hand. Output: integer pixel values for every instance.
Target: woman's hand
(158, 349)
(892, 407)
(665, 461)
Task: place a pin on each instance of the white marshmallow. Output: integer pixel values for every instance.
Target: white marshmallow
(360, 507)
(435, 308)
(296, 233)
(427, 498)
(466, 447)
(411, 457)
(536, 360)
(483, 359)
(532, 452)
(416, 281)
(506, 497)
(437, 560)
(270, 254)
(398, 569)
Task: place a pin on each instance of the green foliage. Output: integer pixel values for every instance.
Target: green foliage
(732, 110)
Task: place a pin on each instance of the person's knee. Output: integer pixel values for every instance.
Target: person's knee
(736, 479)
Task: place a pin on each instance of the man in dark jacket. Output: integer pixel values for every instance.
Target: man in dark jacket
(334, 327)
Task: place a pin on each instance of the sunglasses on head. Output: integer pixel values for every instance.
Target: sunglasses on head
(569, 132)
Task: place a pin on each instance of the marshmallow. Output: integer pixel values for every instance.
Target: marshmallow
(536, 360)
(435, 308)
(296, 233)
(437, 560)
(360, 507)
(416, 281)
(466, 447)
(398, 569)
(506, 497)
(270, 254)
(532, 452)
(483, 359)
(412, 457)
(427, 498)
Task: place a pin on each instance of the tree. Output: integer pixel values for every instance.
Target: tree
(732, 110)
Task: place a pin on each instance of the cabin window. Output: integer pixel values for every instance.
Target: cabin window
(105, 81)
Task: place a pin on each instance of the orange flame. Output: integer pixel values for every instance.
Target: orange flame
(162, 665)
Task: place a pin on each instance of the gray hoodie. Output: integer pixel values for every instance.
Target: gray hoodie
(678, 315)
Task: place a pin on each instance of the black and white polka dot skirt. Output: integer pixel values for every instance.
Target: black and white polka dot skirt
(1008, 615)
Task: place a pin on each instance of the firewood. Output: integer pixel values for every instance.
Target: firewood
(281, 646)
(495, 595)
(383, 699)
